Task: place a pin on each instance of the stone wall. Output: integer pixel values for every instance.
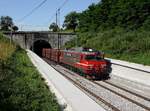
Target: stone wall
(27, 39)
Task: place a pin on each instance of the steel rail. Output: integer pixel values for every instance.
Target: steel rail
(115, 92)
(141, 70)
(123, 96)
(88, 91)
(119, 87)
(83, 88)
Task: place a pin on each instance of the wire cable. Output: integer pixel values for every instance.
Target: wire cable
(63, 4)
(33, 10)
(52, 17)
(37, 7)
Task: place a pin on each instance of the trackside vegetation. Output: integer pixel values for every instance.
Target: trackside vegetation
(120, 28)
(6, 49)
(132, 46)
(21, 86)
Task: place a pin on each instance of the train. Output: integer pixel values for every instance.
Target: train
(89, 62)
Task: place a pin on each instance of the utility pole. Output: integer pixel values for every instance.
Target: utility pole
(58, 18)
(59, 28)
(58, 24)
(11, 29)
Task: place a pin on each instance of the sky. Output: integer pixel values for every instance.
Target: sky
(43, 16)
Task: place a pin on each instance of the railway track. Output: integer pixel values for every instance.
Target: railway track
(101, 84)
(124, 95)
(88, 91)
(97, 89)
(131, 86)
(129, 91)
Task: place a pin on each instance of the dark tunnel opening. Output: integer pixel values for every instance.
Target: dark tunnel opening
(39, 45)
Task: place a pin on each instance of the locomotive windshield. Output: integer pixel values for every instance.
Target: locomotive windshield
(92, 57)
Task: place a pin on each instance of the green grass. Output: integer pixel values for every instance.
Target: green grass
(133, 46)
(6, 48)
(141, 58)
(21, 85)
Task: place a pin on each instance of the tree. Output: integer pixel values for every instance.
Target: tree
(71, 20)
(108, 14)
(5, 23)
(89, 19)
(15, 28)
(54, 27)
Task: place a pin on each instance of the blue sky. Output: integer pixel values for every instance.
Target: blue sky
(41, 18)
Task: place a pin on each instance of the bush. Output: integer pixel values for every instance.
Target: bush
(21, 86)
(119, 44)
(6, 48)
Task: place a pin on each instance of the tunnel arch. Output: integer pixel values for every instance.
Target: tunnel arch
(39, 45)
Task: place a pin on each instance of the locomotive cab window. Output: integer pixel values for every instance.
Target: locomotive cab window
(92, 57)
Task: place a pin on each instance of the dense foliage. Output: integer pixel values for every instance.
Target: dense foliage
(6, 48)
(54, 27)
(118, 27)
(6, 24)
(71, 21)
(21, 86)
(108, 14)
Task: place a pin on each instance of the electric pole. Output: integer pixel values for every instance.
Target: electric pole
(58, 24)
(56, 17)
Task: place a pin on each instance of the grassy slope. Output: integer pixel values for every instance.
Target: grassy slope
(21, 86)
(120, 28)
(6, 49)
(133, 46)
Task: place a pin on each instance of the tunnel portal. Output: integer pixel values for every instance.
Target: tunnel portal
(39, 45)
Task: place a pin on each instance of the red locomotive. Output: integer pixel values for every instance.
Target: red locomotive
(88, 61)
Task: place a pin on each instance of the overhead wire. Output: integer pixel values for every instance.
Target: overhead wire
(33, 10)
(38, 6)
(58, 9)
(63, 4)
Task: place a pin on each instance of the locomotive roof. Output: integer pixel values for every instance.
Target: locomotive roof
(79, 52)
(82, 50)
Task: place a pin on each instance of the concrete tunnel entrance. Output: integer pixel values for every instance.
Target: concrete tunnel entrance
(39, 45)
